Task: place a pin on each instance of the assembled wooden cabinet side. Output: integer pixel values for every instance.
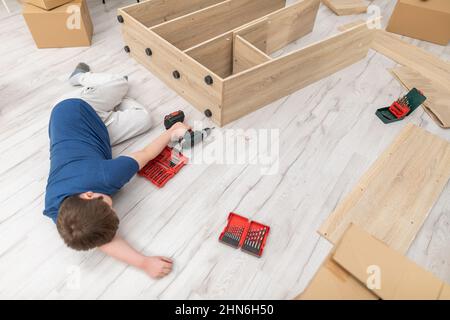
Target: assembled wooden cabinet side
(202, 25)
(263, 84)
(216, 54)
(165, 61)
(281, 27)
(154, 12)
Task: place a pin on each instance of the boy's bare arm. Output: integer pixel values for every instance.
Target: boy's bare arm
(154, 149)
(155, 267)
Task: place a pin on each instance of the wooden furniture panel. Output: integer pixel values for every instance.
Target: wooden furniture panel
(215, 54)
(400, 278)
(258, 86)
(205, 24)
(273, 32)
(394, 197)
(246, 55)
(419, 164)
(346, 7)
(153, 12)
(255, 33)
(411, 56)
(225, 77)
(286, 26)
(346, 26)
(282, 27)
(437, 104)
(421, 70)
(166, 59)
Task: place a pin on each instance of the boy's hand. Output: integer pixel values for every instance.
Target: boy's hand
(178, 130)
(157, 267)
(151, 151)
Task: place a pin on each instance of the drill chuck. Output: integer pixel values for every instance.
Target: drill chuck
(191, 138)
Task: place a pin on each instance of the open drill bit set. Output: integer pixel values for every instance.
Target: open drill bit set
(242, 233)
(402, 107)
(164, 167)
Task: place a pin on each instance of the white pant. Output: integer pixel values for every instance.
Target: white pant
(124, 117)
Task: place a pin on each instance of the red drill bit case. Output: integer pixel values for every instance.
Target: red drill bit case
(399, 109)
(164, 167)
(235, 231)
(240, 232)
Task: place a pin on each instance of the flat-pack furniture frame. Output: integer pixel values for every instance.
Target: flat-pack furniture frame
(216, 53)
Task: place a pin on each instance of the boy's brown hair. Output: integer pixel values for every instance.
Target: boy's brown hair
(86, 224)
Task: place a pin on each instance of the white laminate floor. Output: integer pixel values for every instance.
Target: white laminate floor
(329, 137)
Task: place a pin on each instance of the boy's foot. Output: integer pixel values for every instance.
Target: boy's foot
(157, 267)
(79, 70)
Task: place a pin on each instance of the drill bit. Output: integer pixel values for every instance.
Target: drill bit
(256, 239)
(261, 238)
(229, 237)
(258, 236)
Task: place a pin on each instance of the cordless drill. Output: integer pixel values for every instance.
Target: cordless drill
(174, 117)
(191, 138)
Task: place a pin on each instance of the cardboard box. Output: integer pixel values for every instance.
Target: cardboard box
(423, 20)
(445, 293)
(398, 277)
(68, 25)
(47, 4)
(348, 273)
(332, 282)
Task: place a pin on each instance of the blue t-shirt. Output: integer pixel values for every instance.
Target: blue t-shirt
(81, 156)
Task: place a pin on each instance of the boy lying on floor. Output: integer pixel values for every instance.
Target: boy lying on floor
(83, 176)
